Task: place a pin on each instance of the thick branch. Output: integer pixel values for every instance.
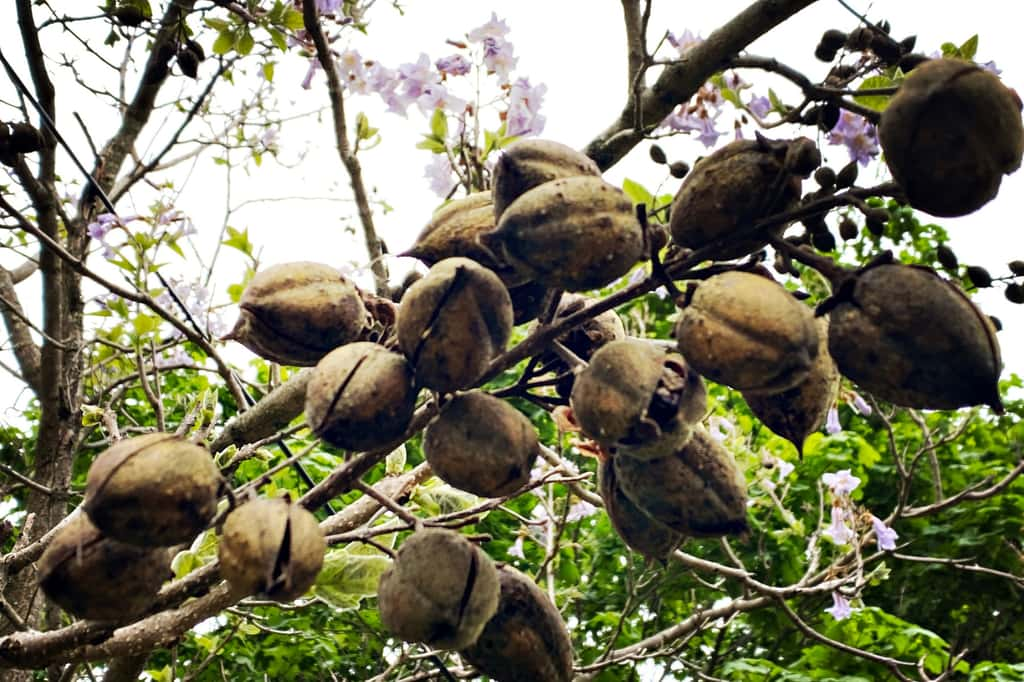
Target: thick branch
(271, 414)
(26, 352)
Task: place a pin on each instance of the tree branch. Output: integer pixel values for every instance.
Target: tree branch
(271, 414)
(26, 352)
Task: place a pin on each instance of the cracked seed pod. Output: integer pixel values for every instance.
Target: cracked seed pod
(272, 548)
(529, 163)
(798, 412)
(296, 313)
(441, 590)
(454, 230)
(638, 531)
(698, 490)
(155, 490)
(575, 234)
(747, 332)
(526, 640)
(638, 398)
(481, 444)
(95, 577)
(453, 322)
(582, 340)
(914, 339)
(950, 133)
(361, 396)
(732, 189)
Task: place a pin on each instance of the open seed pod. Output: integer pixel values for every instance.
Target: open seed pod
(481, 444)
(747, 332)
(361, 396)
(296, 313)
(698, 490)
(638, 398)
(910, 337)
(453, 322)
(526, 640)
(950, 133)
(441, 590)
(640, 532)
(582, 340)
(732, 189)
(528, 163)
(92, 576)
(272, 548)
(575, 234)
(455, 229)
(155, 490)
(798, 412)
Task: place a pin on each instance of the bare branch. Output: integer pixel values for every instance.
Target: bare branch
(26, 352)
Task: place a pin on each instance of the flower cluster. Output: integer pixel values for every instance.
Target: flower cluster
(832, 425)
(196, 300)
(858, 136)
(166, 223)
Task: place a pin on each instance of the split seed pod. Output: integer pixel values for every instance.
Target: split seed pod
(698, 490)
(453, 322)
(360, 396)
(92, 576)
(575, 234)
(747, 332)
(271, 547)
(155, 490)
(910, 337)
(481, 444)
(526, 164)
(296, 313)
(640, 532)
(441, 590)
(526, 640)
(730, 190)
(638, 398)
(950, 133)
(798, 412)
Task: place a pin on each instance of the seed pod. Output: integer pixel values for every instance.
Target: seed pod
(188, 62)
(25, 139)
(271, 547)
(848, 228)
(526, 640)
(296, 313)
(678, 169)
(798, 412)
(747, 332)
(92, 576)
(698, 490)
(730, 190)
(658, 154)
(453, 322)
(825, 177)
(1016, 267)
(1014, 293)
(638, 398)
(155, 490)
(527, 301)
(950, 133)
(481, 444)
(530, 163)
(361, 396)
(454, 230)
(639, 531)
(575, 234)
(441, 590)
(914, 339)
(582, 340)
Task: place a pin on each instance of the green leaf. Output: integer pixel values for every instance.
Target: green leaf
(730, 96)
(436, 498)
(279, 39)
(637, 193)
(268, 71)
(224, 42)
(777, 104)
(394, 463)
(219, 25)
(293, 20)
(950, 50)
(346, 579)
(876, 102)
(239, 239)
(245, 43)
(969, 47)
(431, 144)
(439, 124)
(145, 324)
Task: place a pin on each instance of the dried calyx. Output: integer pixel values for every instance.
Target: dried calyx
(526, 164)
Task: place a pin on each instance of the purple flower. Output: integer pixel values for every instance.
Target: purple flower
(840, 608)
(436, 96)
(498, 57)
(495, 28)
(99, 228)
(517, 548)
(453, 65)
(307, 81)
(859, 137)
(328, 6)
(415, 77)
(832, 425)
(524, 108)
(841, 483)
(441, 175)
(861, 405)
(693, 122)
(837, 530)
(885, 535)
(685, 42)
(784, 468)
(580, 510)
(759, 106)
(384, 82)
(991, 67)
(353, 71)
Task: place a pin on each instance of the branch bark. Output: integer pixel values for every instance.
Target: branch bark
(26, 352)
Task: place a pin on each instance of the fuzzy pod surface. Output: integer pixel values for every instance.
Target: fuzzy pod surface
(529, 163)
(638, 530)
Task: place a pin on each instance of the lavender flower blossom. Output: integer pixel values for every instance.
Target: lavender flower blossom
(685, 41)
(441, 175)
(840, 608)
(832, 425)
(840, 483)
(885, 535)
(580, 510)
(859, 137)
(861, 405)
(453, 65)
(328, 6)
(524, 107)
(759, 106)
(838, 531)
(517, 549)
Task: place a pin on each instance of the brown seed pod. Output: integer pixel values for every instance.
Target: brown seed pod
(526, 164)
(798, 412)
(698, 490)
(155, 490)
(272, 548)
(582, 340)
(296, 313)
(640, 532)
(92, 576)
(914, 339)
(729, 191)
(453, 322)
(638, 398)
(361, 396)
(455, 229)
(527, 301)
(950, 133)
(575, 234)
(747, 332)
(481, 444)
(526, 640)
(441, 590)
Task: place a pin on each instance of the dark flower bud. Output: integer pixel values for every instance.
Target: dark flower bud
(658, 154)
(1014, 293)
(679, 169)
(979, 276)
(946, 257)
(848, 229)
(825, 177)
(847, 175)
